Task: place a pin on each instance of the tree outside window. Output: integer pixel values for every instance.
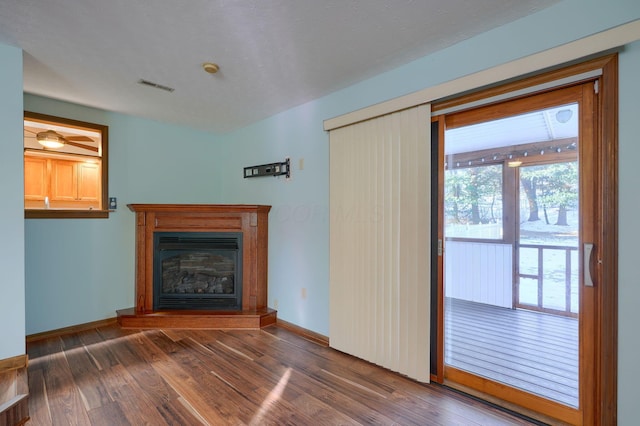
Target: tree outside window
(473, 202)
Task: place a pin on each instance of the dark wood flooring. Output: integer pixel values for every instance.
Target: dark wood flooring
(533, 351)
(110, 376)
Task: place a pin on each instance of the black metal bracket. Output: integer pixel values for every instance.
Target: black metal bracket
(271, 169)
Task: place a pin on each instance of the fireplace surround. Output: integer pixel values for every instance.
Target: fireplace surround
(211, 233)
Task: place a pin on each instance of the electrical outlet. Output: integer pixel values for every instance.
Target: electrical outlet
(303, 293)
(275, 303)
(301, 164)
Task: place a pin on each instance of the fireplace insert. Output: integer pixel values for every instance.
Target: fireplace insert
(197, 270)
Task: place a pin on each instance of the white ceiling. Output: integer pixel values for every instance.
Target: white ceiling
(273, 54)
(537, 126)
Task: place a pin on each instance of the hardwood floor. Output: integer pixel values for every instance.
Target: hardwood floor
(110, 376)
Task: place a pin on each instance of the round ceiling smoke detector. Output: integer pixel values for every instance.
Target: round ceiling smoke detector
(210, 67)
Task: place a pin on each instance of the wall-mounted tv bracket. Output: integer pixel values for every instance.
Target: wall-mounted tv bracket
(271, 169)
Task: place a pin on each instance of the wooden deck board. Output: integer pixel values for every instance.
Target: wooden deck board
(528, 350)
(497, 346)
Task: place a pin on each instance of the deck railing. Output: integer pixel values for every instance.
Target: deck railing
(539, 277)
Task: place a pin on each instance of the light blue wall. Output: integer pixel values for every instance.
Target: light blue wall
(299, 226)
(629, 235)
(154, 162)
(82, 270)
(12, 281)
(299, 219)
(565, 22)
(299, 257)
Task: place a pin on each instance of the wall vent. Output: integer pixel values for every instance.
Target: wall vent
(155, 85)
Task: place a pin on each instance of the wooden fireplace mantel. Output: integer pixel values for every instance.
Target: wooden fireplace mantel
(250, 220)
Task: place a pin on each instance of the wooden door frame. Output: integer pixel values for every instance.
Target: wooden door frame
(601, 400)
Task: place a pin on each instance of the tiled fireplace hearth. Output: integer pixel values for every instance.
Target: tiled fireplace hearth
(200, 266)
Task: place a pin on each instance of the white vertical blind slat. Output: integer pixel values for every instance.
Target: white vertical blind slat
(379, 240)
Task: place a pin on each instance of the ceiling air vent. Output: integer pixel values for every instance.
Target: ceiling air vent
(156, 85)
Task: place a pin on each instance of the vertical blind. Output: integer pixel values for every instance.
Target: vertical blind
(380, 240)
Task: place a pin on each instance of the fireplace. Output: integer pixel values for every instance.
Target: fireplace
(200, 266)
(197, 270)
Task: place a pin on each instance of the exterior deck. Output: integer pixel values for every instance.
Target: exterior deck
(532, 351)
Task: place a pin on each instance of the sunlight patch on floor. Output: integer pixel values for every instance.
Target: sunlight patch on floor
(272, 398)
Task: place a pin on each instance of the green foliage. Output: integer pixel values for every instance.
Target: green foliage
(556, 184)
(473, 195)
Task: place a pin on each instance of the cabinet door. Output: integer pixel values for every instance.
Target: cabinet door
(35, 182)
(89, 182)
(69, 184)
(64, 181)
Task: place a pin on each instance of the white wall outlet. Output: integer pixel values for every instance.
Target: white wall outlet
(303, 293)
(275, 303)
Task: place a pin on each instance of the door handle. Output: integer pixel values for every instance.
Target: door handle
(586, 264)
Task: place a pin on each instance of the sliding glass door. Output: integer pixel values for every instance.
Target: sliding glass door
(517, 216)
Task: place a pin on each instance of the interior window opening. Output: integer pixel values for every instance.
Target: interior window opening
(65, 167)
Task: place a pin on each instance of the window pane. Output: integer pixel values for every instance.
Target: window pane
(473, 202)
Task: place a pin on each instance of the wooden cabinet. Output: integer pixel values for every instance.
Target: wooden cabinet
(66, 183)
(89, 182)
(35, 180)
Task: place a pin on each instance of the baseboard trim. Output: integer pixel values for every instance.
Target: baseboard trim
(303, 332)
(72, 329)
(13, 363)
